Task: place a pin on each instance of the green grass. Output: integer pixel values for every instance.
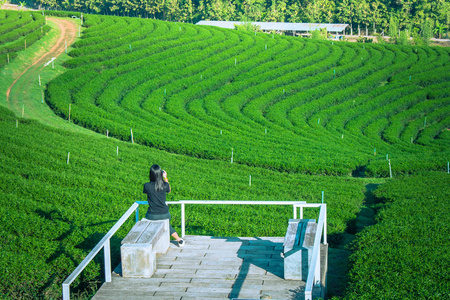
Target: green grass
(26, 93)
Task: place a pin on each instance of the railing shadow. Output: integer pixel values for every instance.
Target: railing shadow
(262, 254)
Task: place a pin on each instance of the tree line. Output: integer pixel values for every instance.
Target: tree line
(364, 16)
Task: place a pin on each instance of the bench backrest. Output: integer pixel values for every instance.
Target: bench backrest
(145, 232)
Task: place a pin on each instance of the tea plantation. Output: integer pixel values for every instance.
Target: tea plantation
(298, 115)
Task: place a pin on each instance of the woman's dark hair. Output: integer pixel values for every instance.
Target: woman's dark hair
(156, 176)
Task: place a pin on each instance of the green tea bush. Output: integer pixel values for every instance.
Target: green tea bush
(293, 105)
(403, 256)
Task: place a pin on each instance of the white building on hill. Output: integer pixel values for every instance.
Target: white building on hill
(288, 28)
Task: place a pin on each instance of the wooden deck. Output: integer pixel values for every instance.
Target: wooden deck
(212, 268)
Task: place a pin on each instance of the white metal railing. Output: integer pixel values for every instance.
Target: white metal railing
(183, 203)
(314, 272)
(314, 277)
(104, 243)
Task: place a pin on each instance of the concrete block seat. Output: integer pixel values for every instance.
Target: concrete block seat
(140, 246)
(297, 248)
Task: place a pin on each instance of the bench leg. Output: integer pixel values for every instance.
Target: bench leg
(138, 261)
(162, 245)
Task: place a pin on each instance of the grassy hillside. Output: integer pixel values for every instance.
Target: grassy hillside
(266, 105)
(284, 103)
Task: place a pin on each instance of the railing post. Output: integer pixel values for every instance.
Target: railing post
(301, 212)
(107, 255)
(137, 214)
(66, 291)
(295, 211)
(317, 277)
(325, 242)
(183, 225)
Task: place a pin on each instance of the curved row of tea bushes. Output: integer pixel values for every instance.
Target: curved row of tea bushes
(279, 102)
(19, 30)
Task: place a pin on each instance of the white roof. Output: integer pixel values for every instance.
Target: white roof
(279, 25)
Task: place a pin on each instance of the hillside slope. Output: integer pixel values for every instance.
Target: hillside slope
(284, 103)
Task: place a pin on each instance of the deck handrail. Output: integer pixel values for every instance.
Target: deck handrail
(314, 277)
(105, 241)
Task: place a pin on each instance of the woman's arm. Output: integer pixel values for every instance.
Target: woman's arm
(166, 179)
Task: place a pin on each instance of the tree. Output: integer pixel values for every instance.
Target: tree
(427, 32)
(378, 11)
(253, 10)
(187, 11)
(439, 29)
(346, 13)
(362, 14)
(293, 13)
(393, 29)
(221, 10)
(319, 34)
(172, 10)
(276, 12)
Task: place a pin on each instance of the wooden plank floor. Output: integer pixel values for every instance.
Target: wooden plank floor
(212, 268)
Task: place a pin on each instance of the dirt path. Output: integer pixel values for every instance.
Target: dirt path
(68, 33)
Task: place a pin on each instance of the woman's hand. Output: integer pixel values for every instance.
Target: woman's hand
(165, 176)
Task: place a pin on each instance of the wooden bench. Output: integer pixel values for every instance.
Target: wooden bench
(297, 248)
(140, 246)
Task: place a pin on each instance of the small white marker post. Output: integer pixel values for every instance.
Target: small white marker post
(250, 181)
(39, 80)
(448, 167)
(387, 157)
(107, 133)
(117, 150)
(322, 197)
(42, 92)
(220, 131)
(79, 31)
(390, 169)
(266, 46)
(70, 107)
(132, 139)
(8, 57)
(265, 131)
(318, 121)
(68, 157)
(231, 155)
(235, 61)
(17, 123)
